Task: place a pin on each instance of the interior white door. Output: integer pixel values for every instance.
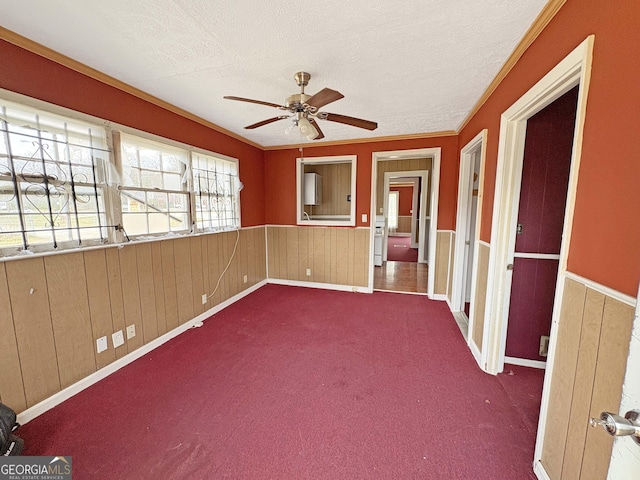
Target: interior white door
(625, 457)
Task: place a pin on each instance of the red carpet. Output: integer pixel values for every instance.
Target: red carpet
(399, 250)
(295, 383)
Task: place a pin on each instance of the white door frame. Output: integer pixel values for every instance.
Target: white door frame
(574, 69)
(424, 176)
(467, 160)
(435, 154)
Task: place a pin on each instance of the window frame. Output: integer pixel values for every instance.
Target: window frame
(301, 218)
(65, 138)
(237, 187)
(111, 185)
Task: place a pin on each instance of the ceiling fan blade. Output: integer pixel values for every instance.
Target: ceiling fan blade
(259, 102)
(324, 97)
(356, 122)
(265, 122)
(317, 127)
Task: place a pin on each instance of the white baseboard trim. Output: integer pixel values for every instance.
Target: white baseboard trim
(441, 297)
(540, 472)
(524, 362)
(401, 293)
(324, 286)
(48, 403)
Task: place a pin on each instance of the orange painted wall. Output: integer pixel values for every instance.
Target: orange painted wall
(280, 177)
(605, 243)
(405, 199)
(29, 74)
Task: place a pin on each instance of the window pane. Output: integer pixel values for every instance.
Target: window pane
(158, 222)
(150, 179)
(172, 181)
(150, 159)
(134, 223)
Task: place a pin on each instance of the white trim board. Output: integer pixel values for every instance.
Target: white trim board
(609, 292)
(525, 362)
(322, 286)
(56, 399)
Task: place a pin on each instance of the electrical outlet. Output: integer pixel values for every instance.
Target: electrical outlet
(131, 331)
(118, 339)
(308, 272)
(204, 298)
(102, 344)
(544, 346)
(245, 279)
(364, 218)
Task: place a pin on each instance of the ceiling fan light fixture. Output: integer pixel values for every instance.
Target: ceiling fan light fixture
(307, 129)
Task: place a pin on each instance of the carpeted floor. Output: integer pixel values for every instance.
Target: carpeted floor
(296, 383)
(399, 250)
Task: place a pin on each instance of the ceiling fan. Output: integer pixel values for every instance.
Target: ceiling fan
(304, 110)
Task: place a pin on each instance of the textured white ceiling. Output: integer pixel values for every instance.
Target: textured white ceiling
(413, 66)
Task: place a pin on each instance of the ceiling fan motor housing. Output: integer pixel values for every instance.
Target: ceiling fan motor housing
(296, 102)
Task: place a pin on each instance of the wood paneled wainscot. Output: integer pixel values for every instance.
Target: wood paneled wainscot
(54, 308)
(589, 367)
(334, 255)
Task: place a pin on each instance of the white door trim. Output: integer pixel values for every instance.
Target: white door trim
(435, 154)
(574, 69)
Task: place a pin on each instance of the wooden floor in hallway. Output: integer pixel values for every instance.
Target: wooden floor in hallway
(401, 277)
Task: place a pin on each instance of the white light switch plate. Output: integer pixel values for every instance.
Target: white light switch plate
(131, 331)
(364, 218)
(102, 344)
(118, 339)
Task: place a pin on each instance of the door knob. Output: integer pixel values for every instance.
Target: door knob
(510, 266)
(618, 426)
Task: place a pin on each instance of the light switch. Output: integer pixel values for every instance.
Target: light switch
(364, 218)
(102, 344)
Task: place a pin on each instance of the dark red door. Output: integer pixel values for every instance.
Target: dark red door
(543, 195)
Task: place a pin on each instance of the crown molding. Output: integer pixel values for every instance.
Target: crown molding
(542, 20)
(391, 138)
(49, 54)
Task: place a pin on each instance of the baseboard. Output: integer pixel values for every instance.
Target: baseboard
(524, 362)
(324, 286)
(401, 293)
(441, 297)
(540, 472)
(56, 399)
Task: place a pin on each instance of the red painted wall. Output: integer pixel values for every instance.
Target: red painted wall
(29, 74)
(280, 177)
(405, 200)
(606, 230)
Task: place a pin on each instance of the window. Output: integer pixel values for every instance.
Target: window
(216, 187)
(154, 194)
(60, 181)
(52, 185)
(393, 211)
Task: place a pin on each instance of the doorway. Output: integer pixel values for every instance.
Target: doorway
(420, 169)
(541, 207)
(470, 194)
